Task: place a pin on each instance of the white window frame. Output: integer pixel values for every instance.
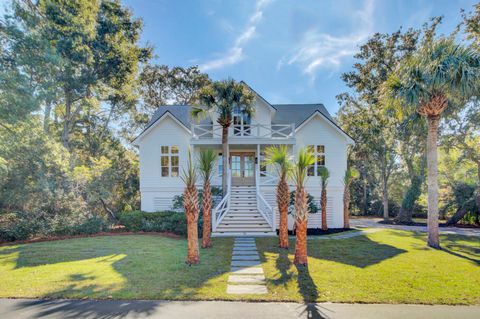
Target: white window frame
(170, 154)
(317, 153)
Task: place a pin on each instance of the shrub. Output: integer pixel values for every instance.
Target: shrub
(165, 221)
(20, 226)
(311, 203)
(131, 220)
(26, 225)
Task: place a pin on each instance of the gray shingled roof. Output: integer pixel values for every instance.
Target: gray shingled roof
(297, 113)
(285, 114)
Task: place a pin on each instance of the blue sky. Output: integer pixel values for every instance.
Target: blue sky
(289, 51)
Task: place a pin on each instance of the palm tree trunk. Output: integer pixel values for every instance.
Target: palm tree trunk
(324, 208)
(190, 201)
(346, 209)
(432, 166)
(301, 222)
(207, 215)
(283, 199)
(224, 158)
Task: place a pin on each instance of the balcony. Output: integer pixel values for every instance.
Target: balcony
(244, 134)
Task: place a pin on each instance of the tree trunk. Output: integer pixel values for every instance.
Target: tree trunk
(224, 159)
(190, 202)
(110, 213)
(365, 208)
(207, 215)
(46, 117)
(385, 196)
(301, 224)
(346, 207)
(66, 122)
(432, 166)
(477, 198)
(324, 208)
(283, 199)
(301, 257)
(462, 211)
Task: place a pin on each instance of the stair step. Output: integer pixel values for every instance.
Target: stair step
(243, 230)
(244, 234)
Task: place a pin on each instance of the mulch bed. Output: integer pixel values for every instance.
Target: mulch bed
(111, 233)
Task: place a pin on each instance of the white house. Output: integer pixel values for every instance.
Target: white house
(249, 207)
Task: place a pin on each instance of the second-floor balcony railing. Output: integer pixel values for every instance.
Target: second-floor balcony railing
(273, 131)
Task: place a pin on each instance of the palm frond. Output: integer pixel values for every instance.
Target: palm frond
(279, 157)
(324, 175)
(189, 174)
(305, 158)
(206, 163)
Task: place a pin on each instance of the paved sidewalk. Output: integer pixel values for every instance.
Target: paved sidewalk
(76, 309)
(374, 223)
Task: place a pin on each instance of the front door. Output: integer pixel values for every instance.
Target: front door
(243, 168)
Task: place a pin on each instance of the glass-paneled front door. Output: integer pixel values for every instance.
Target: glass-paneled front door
(243, 168)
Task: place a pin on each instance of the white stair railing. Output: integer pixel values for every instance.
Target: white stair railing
(262, 205)
(224, 206)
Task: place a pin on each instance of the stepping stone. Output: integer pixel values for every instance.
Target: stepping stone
(245, 241)
(246, 257)
(245, 245)
(246, 279)
(245, 263)
(245, 252)
(244, 248)
(247, 270)
(246, 289)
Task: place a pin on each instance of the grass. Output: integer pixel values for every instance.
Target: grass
(118, 267)
(387, 266)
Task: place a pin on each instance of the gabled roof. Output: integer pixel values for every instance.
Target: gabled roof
(298, 114)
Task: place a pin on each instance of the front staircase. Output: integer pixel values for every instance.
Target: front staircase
(243, 217)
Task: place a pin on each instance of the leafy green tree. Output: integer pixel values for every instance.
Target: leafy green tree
(437, 74)
(221, 98)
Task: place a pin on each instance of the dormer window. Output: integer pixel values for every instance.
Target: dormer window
(241, 122)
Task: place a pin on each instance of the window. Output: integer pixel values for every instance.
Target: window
(241, 122)
(169, 161)
(319, 154)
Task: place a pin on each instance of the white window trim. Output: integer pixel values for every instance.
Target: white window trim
(169, 154)
(316, 154)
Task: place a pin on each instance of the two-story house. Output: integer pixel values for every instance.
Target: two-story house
(249, 206)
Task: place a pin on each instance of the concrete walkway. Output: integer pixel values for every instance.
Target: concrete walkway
(110, 309)
(246, 273)
(374, 223)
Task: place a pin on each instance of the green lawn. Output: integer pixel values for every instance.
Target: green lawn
(385, 266)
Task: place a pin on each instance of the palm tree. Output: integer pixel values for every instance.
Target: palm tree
(206, 164)
(280, 158)
(299, 174)
(222, 97)
(438, 73)
(324, 175)
(350, 174)
(190, 204)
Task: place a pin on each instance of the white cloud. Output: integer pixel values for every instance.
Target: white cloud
(235, 54)
(322, 50)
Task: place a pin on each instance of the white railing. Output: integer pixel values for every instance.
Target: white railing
(273, 131)
(262, 205)
(268, 179)
(224, 206)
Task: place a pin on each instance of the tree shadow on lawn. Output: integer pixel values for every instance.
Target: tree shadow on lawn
(450, 244)
(143, 267)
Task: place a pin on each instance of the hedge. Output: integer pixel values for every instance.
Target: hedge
(165, 221)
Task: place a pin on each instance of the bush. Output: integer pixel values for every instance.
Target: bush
(131, 220)
(311, 203)
(20, 226)
(26, 225)
(166, 221)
